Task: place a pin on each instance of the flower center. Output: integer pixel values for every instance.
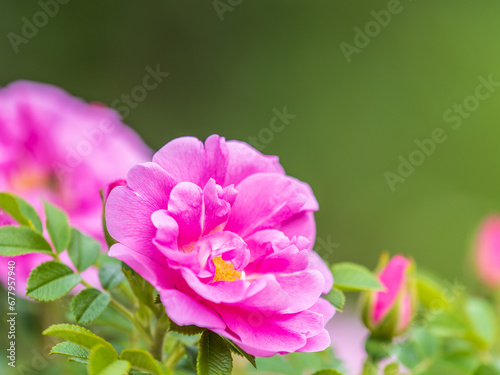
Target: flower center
(28, 180)
(224, 270)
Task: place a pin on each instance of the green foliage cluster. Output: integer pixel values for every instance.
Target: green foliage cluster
(452, 332)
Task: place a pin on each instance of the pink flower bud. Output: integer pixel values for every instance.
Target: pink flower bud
(114, 184)
(388, 313)
(487, 251)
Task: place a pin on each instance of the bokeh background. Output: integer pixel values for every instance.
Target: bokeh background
(229, 69)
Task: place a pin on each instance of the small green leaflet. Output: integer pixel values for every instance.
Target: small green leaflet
(88, 305)
(22, 240)
(58, 227)
(214, 357)
(20, 211)
(50, 281)
(354, 277)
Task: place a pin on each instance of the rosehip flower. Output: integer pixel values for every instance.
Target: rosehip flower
(388, 313)
(226, 239)
(487, 251)
(60, 149)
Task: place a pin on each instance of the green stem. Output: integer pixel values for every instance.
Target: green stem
(176, 354)
(145, 333)
(156, 345)
(127, 292)
(146, 336)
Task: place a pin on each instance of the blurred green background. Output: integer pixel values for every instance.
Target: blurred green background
(228, 71)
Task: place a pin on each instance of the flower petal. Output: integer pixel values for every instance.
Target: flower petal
(217, 159)
(316, 263)
(261, 333)
(151, 267)
(184, 159)
(264, 201)
(289, 260)
(393, 277)
(217, 209)
(184, 310)
(244, 161)
(152, 183)
(167, 229)
(302, 224)
(304, 289)
(186, 206)
(128, 217)
(317, 343)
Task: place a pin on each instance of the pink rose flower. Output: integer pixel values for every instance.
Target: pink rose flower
(56, 147)
(225, 237)
(388, 313)
(487, 251)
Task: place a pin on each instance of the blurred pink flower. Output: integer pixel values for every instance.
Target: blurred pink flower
(388, 313)
(487, 251)
(348, 340)
(226, 238)
(56, 147)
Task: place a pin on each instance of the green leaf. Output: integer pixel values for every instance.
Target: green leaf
(157, 299)
(79, 360)
(370, 368)
(142, 360)
(214, 357)
(337, 298)
(191, 354)
(58, 227)
(391, 369)
(378, 349)
(88, 305)
(101, 363)
(482, 321)
(327, 372)
(110, 241)
(447, 324)
(143, 290)
(487, 370)
(70, 349)
(20, 211)
(83, 250)
(80, 336)
(433, 294)
(459, 364)
(22, 240)
(353, 277)
(137, 372)
(409, 354)
(111, 317)
(50, 281)
(428, 343)
(111, 275)
(238, 351)
(185, 330)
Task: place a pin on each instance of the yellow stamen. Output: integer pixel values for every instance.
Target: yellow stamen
(31, 179)
(224, 270)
